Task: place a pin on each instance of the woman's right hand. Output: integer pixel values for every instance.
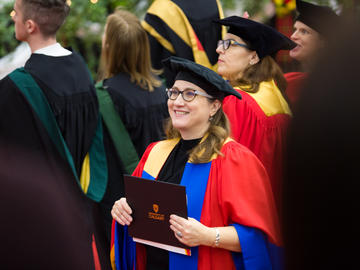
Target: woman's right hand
(121, 212)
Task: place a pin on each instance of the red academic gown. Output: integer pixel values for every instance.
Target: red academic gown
(236, 192)
(295, 81)
(259, 121)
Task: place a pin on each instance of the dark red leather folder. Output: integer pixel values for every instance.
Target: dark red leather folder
(152, 203)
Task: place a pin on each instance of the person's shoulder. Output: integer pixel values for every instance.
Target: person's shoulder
(7, 85)
(164, 144)
(160, 91)
(6, 78)
(268, 99)
(156, 154)
(238, 161)
(232, 147)
(118, 81)
(149, 148)
(12, 78)
(161, 149)
(232, 100)
(77, 57)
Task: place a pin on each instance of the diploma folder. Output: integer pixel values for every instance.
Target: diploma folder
(152, 202)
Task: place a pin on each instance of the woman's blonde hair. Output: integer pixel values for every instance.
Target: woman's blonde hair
(218, 132)
(265, 70)
(126, 49)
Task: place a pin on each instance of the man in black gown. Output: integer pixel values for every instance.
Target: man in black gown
(49, 108)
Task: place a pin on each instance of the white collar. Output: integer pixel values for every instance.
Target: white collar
(54, 50)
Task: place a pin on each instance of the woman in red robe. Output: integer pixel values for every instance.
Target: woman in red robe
(232, 220)
(259, 121)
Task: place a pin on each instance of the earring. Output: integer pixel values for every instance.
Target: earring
(211, 118)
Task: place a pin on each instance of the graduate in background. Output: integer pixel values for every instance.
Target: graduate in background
(312, 29)
(321, 186)
(136, 90)
(183, 28)
(232, 220)
(132, 100)
(260, 120)
(50, 107)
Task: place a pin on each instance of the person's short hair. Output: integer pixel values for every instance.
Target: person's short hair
(126, 49)
(49, 15)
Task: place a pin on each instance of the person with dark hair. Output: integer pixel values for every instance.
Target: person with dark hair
(232, 220)
(259, 121)
(321, 187)
(50, 107)
(132, 100)
(183, 28)
(312, 29)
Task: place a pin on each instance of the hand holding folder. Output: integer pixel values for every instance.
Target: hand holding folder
(152, 203)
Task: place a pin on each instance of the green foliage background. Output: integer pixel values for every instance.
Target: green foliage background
(83, 27)
(7, 37)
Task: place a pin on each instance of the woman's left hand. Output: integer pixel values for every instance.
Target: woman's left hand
(190, 231)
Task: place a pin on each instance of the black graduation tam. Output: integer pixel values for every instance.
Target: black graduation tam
(263, 39)
(320, 18)
(207, 79)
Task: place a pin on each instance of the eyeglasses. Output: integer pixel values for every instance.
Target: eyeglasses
(227, 42)
(187, 94)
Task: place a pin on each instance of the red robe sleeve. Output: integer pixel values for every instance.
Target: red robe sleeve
(245, 195)
(264, 135)
(238, 192)
(294, 83)
(140, 167)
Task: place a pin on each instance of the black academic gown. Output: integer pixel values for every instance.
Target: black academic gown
(200, 14)
(68, 87)
(142, 112)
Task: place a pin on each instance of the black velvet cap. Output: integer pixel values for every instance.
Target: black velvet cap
(262, 38)
(205, 78)
(319, 18)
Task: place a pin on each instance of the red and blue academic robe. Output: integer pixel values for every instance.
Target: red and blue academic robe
(260, 121)
(295, 81)
(230, 190)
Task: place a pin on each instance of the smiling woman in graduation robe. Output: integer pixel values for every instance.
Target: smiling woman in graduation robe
(232, 220)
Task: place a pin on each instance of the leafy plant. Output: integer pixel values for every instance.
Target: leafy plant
(7, 36)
